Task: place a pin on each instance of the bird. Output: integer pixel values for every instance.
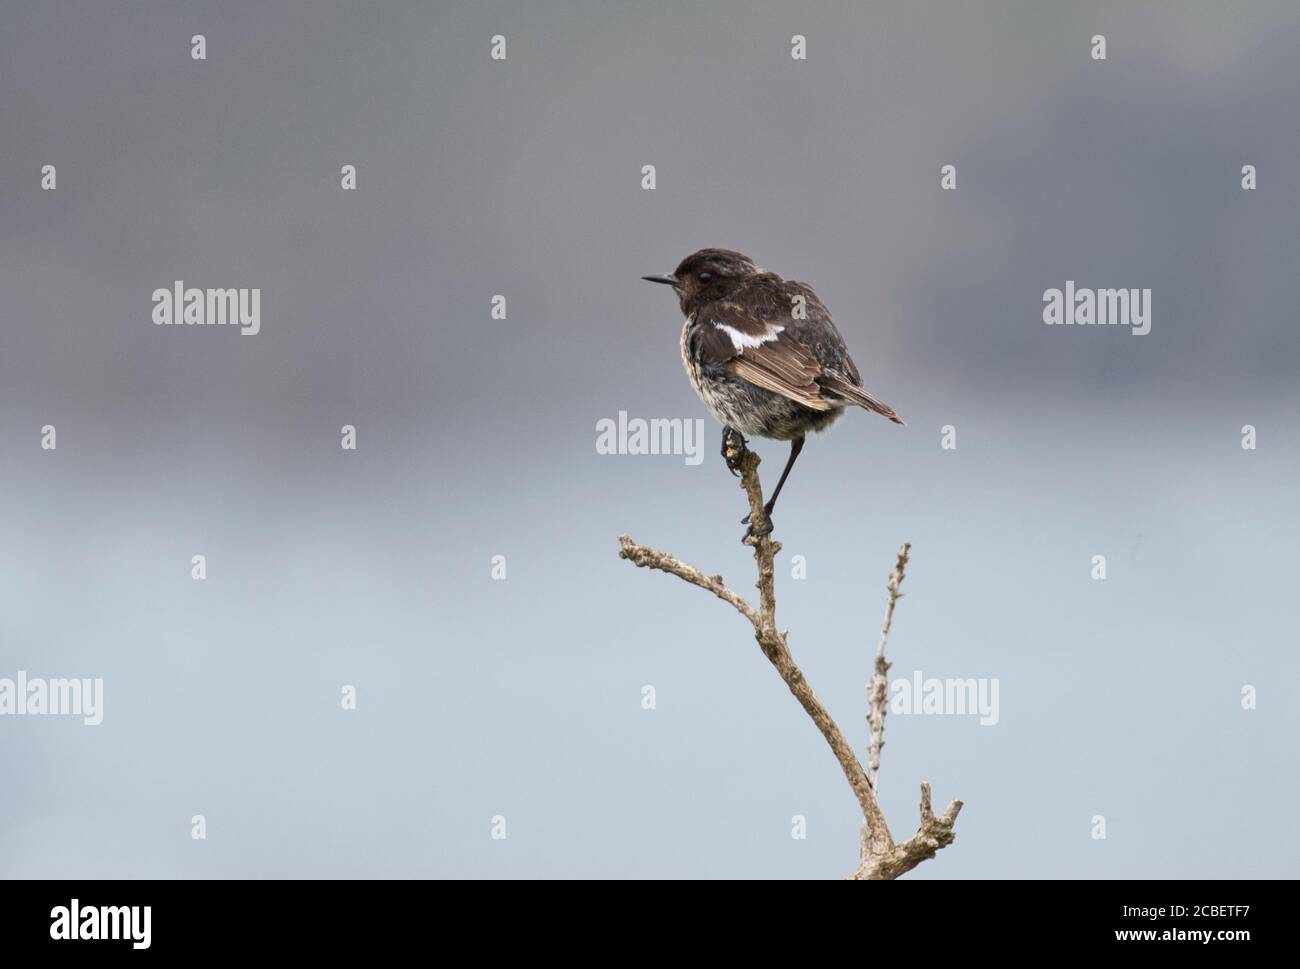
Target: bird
(763, 355)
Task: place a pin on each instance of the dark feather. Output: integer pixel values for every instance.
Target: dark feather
(798, 358)
(860, 397)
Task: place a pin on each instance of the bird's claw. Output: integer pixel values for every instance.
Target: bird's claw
(765, 528)
(732, 438)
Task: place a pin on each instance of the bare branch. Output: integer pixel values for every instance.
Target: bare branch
(880, 856)
(877, 691)
(934, 833)
(649, 558)
(765, 548)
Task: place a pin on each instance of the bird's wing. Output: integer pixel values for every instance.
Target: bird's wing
(819, 327)
(762, 351)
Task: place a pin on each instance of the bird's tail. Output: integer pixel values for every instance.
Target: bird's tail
(860, 397)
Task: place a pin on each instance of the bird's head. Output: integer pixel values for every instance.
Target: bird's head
(707, 275)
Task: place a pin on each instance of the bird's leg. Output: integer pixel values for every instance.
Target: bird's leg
(732, 436)
(795, 447)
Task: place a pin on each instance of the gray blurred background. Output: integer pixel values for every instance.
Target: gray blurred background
(477, 437)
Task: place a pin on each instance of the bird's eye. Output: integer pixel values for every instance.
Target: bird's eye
(705, 277)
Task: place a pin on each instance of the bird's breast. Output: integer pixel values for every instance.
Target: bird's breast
(688, 360)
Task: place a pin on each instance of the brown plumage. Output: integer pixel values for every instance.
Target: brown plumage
(762, 352)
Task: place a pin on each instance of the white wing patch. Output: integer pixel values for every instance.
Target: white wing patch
(742, 341)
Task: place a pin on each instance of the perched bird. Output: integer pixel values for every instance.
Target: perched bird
(762, 353)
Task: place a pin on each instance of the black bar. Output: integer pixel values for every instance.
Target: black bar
(369, 918)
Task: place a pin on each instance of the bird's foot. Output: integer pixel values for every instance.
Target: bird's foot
(733, 449)
(764, 528)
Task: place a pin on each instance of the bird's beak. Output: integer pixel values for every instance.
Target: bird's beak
(666, 280)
